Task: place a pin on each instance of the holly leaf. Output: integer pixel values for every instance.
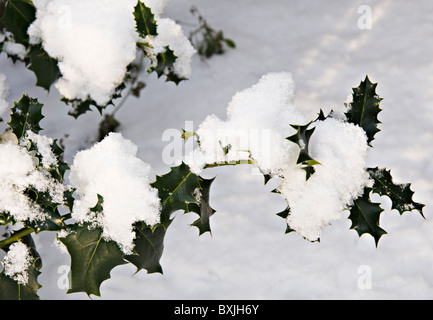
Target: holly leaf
(203, 208)
(80, 107)
(18, 16)
(365, 216)
(302, 139)
(26, 115)
(164, 66)
(145, 20)
(43, 66)
(284, 214)
(13, 290)
(399, 194)
(148, 248)
(53, 221)
(58, 172)
(92, 259)
(176, 190)
(364, 108)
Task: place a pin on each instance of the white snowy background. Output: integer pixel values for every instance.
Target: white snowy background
(248, 256)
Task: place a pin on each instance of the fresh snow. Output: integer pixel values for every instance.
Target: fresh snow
(170, 34)
(257, 125)
(17, 262)
(43, 144)
(94, 42)
(156, 6)
(18, 171)
(340, 178)
(248, 255)
(111, 169)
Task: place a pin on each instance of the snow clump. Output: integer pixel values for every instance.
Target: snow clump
(17, 262)
(257, 125)
(18, 172)
(111, 169)
(94, 42)
(341, 149)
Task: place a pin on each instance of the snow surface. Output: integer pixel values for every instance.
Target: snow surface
(4, 94)
(248, 256)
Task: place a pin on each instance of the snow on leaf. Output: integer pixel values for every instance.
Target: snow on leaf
(203, 208)
(400, 194)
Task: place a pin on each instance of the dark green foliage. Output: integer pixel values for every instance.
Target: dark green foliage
(44, 67)
(92, 258)
(203, 208)
(399, 194)
(145, 20)
(208, 41)
(176, 190)
(364, 108)
(164, 67)
(365, 216)
(26, 115)
(302, 139)
(12, 290)
(18, 16)
(148, 247)
(109, 124)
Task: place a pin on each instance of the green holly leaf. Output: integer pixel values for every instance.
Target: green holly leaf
(26, 115)
(80, 107)
(13, 290)
(399, 194)
(203, 208)
(145, 20)
(365, 216)
(18, 16)
(176, 190)
(364, 108)
(164, 66)
(148, 248)
(44, 67)
(302, 139)
(58, 172)
(92, 258)
(284, 214)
